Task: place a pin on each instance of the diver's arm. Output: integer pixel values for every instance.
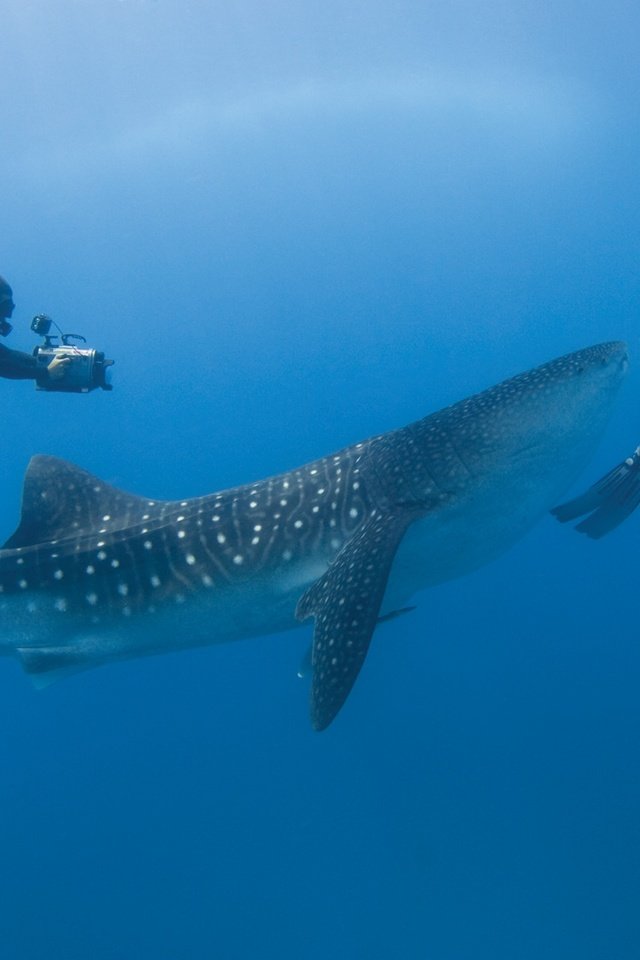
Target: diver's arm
(16, 365)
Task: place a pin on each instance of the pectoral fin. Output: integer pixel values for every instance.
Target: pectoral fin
(306, 665)
(345, 603)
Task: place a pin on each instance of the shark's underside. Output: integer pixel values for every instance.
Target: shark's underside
(93, 574)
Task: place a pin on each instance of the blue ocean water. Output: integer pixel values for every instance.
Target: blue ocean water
(295, 226)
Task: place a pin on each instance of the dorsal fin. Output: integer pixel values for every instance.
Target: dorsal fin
(60, 500)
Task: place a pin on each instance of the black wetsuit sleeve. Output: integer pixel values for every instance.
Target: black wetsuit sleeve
(17, 365)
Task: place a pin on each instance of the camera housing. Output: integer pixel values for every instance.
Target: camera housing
(86, 370)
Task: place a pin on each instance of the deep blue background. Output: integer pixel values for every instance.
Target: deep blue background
(295, 225)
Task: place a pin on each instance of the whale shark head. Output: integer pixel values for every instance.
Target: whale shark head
(553, 414)
(575, 392)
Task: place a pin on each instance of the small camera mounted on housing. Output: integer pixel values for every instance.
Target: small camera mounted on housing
(86, 370)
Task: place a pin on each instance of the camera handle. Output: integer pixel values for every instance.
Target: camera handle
(66, 337)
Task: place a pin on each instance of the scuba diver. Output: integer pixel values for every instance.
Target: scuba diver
(608, 502)
(14, 364)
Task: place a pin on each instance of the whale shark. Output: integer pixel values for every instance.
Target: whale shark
(93, 574)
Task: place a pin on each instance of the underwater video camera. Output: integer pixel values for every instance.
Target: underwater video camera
(86, 370)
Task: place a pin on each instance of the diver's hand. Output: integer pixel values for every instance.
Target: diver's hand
(57, 367)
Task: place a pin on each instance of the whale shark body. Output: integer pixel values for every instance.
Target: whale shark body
(93, 574)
